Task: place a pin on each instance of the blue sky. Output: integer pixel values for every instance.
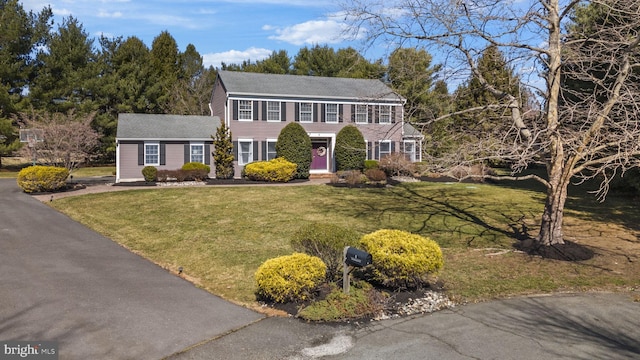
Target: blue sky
(221, 30)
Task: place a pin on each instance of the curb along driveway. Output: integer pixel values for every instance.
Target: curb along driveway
(63, 282)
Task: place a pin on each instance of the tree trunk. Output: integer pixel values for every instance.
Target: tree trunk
(551, 226)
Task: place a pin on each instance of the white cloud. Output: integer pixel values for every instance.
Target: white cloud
(106, 14)
(310, 32)
(235, 56)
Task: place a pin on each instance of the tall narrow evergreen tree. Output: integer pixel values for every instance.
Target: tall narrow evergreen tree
(223, 152)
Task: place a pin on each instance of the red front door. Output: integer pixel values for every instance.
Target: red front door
(320, 155)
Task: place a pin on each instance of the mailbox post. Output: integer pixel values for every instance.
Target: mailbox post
(353, 257)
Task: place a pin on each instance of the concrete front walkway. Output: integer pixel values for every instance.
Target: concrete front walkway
(63, 282)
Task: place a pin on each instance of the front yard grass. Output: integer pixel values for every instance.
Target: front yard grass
(220, 235)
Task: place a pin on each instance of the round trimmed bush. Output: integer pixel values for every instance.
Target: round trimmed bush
(150, 173)
(289, 278)
(326, 241)
(351, 150)
(402, 259)
(294, 144)
(42, 178)
(196, 170)
(275, 170)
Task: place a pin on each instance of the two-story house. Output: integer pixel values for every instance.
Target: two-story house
(256, 107)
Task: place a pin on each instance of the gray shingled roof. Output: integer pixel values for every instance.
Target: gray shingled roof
(411, 131)
(156, 127)
(245, 83)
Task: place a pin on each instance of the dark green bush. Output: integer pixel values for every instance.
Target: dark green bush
(351, 149)
(150, 173)
(371, 164)
(294, 145)
(289, 278)
(326, 241)
(401, 259)
(276, 170)
(196, 171)
(42, 178)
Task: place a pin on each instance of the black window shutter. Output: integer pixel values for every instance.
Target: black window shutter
(235, 109)
(340, 112)
(283, 111)
(297, 116)
(163, 153)
(187, 153)
(315, 112)
(264, 150)
(207, 156)
(264, 111)
(371, 114)
(393, 146)
(256, 146)
(141, 154)
(369, 150)
(255, 110)
(353, 113)
(235, 150)
(393, 114)
(377, 150)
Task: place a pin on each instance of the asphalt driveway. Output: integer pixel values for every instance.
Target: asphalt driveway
(62, 282)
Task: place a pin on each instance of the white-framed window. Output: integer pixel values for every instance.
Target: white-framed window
(271, 149)
(331, 113)
(245, 151)
(384, 147)
(273, 111)
(361, 114)
(384, 114)
(197, 153)
(306, 112)
(152, 154)
(245, 110)
(410, 150)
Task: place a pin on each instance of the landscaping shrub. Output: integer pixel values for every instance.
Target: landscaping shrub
(294, 145)
(164, 175)
(289, 278)
(371, 164)
(351, 177)
(362, 301)
(351, 149)
(196, 171)
(475, 171)
(150, 173)
(397, 164)
(375, 174)
(327, 242)
(276, 170)
(402, 259)
(42, 178)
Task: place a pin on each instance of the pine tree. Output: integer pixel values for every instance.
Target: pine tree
(223, 152)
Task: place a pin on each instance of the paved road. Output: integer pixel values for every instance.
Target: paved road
(63, 282)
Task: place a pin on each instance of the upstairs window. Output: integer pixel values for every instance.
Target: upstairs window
(385, 114)
(361, 114)
(245, 110)
(273, 111)
(306, 112)
(331, 113)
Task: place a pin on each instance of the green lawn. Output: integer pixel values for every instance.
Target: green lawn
(11, 167)
(220, 235)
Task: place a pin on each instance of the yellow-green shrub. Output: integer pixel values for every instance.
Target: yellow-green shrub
(276, 170)
(289, 278)
(42, 178)
(402, 259)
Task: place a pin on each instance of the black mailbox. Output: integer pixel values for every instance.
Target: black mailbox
(359, 258)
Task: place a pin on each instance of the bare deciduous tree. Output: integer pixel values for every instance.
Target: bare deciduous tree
(579, 133)
(67, 140)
